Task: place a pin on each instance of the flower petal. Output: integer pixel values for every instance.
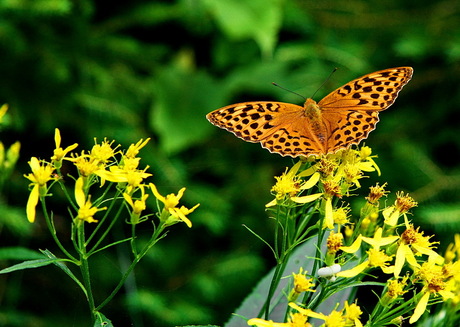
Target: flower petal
(420, 308)
(354, 271)
(32, 203)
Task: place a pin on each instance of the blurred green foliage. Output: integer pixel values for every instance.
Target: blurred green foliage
(130, 70)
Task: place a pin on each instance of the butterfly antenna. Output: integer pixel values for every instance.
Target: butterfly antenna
(285, 89)
(327, 79)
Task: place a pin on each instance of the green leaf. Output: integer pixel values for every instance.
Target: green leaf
(28, 264)
(256, 19)
(19, 253)
(39, 7)
(182, 99)
(64, 268)
(102, 320)
(302, 257)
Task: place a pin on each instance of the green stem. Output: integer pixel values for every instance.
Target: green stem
(157, 235)
(106, 232)
(53, 232)
(133, 240)
(84, 267)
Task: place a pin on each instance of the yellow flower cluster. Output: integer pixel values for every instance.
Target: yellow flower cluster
(379, 239)
(103, 163)
(335, 174)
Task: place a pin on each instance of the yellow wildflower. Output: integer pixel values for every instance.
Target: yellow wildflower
(134, 149)
(375, 193)
(395, 289)
(8, 159)
(86, 166)
(352, 314)
(334, 319)
(352, 174)
(413, 243)
(86, 211)
(340, 215)
(101, 153)
(402, 205)
(288, 187)
(171, 214)
(137, 206)
(376, 257)
(435, 282)
(40, 176)
(295, 320)
(301, 284)
(453, 249)
(60, 153)
(334, 242)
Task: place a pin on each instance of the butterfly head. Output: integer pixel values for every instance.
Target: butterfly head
(312, 110)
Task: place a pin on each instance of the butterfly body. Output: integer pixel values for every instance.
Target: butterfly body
(342, 118)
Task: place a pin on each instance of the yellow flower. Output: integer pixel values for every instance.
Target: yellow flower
(334, 319)
(60, 153)
(352, 314)
(413, 243)
(289, 185)
(40, 176)
(86, 166)
(340, 215)
(137, 205)
(334, 242)
(134, 149)
(171, 214)
(301, 284)
(101, 153)
(125, 174)
(295, 320)
(453, 249)
(366, 162)
(435, 282)
(86, 211)
(395, 289)
(375, 193)
(326, 166)
(376, 257)
(171, 200)
(402, 205)
(352, 174)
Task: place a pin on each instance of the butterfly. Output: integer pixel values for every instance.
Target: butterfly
(342, 118)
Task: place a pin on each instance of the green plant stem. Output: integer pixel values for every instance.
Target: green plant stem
(84, 267)
(157, 235)
(53, 232)
(278, 273)
(108, 229)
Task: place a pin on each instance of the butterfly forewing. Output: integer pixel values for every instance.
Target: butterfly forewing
(251, 121)
(351, 111)
(375, 91)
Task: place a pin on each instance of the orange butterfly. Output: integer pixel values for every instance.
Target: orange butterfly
(342, 118)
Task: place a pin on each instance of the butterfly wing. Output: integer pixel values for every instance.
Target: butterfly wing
(351, 112)
(279, 127)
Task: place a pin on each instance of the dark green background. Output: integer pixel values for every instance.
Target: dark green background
(137, 69)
